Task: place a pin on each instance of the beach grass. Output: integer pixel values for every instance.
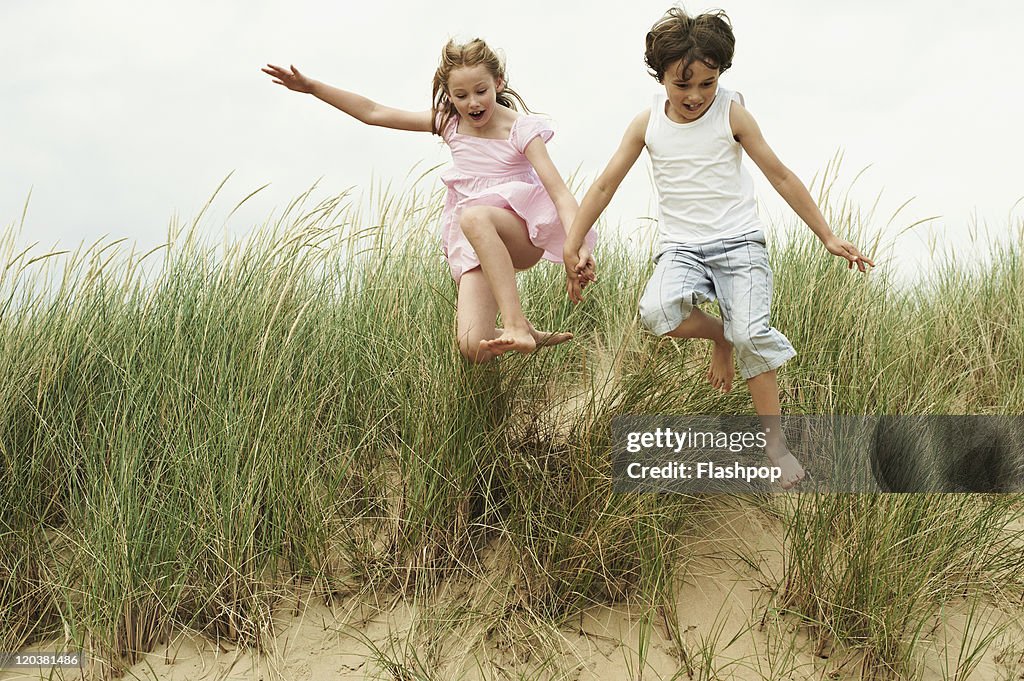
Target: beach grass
(189, 434)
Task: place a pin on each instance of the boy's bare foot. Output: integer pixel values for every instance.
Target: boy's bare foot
(792, 472)
(721, 371)
(518, 340)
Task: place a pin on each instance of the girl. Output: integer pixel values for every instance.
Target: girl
(506, 207)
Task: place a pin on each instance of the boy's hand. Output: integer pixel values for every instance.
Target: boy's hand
(291, 79)
(845, 249)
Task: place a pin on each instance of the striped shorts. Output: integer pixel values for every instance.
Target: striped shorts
(734, 272)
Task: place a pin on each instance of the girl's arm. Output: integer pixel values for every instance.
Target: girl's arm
(357, 106)
(565, 203)
(789, 186)
(596, 200)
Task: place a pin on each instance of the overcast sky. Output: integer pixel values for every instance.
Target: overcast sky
(119, 115)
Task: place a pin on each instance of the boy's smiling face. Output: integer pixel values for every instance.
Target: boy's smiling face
(690, 91)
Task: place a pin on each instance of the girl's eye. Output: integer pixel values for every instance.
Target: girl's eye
(481, 92)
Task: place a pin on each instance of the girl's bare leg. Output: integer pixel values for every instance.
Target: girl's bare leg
(502, 245)
(474, 320)
(474, 316)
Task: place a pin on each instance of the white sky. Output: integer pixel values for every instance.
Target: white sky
(119, 115)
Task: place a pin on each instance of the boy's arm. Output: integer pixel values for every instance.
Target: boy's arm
(575, 254)
(357, 106)
(789, 186)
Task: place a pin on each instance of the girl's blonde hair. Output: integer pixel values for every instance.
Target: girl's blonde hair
(455, 55)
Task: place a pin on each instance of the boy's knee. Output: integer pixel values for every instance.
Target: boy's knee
(740, 340)
(745, 342)
(759, 351)
(649, 315)
(661, 316)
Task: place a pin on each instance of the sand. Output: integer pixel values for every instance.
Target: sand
(727, 629)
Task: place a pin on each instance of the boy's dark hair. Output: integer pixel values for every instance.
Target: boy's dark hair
(706, 37)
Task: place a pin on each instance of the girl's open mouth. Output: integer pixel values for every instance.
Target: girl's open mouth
(476, 115)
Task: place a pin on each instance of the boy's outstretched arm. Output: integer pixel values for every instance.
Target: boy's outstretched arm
(789, 187)
(357, 106)
(575, 253)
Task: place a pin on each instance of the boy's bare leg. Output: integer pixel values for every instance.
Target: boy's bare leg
(764, 391)
(702, 325)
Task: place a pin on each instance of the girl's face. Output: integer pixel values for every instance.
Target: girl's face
(690, 91)
(474, 91)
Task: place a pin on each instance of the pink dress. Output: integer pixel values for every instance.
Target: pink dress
(494, 172)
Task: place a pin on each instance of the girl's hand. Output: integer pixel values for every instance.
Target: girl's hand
(291, 79)
(585, 266)
(845, 249)
(579, 272)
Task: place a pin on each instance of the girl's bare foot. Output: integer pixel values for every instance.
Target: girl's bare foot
(518, 340)
(545, 339)
(721, 371)
(792, 472)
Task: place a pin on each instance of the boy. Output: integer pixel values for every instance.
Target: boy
(711, 244)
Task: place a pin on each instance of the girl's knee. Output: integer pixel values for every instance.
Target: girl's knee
(473, 219)
(469, 347)
(470, 350)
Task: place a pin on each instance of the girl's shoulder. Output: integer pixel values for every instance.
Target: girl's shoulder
(446, 128)
(527, 127)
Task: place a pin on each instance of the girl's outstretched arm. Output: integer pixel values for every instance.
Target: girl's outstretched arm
(789, 187)
(598, 196)
(357, 106)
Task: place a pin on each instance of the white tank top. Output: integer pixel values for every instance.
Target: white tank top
(704, 194)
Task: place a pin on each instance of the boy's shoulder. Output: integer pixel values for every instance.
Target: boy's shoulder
(638, 126)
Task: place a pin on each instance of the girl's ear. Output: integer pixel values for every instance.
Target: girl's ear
(500, 86)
